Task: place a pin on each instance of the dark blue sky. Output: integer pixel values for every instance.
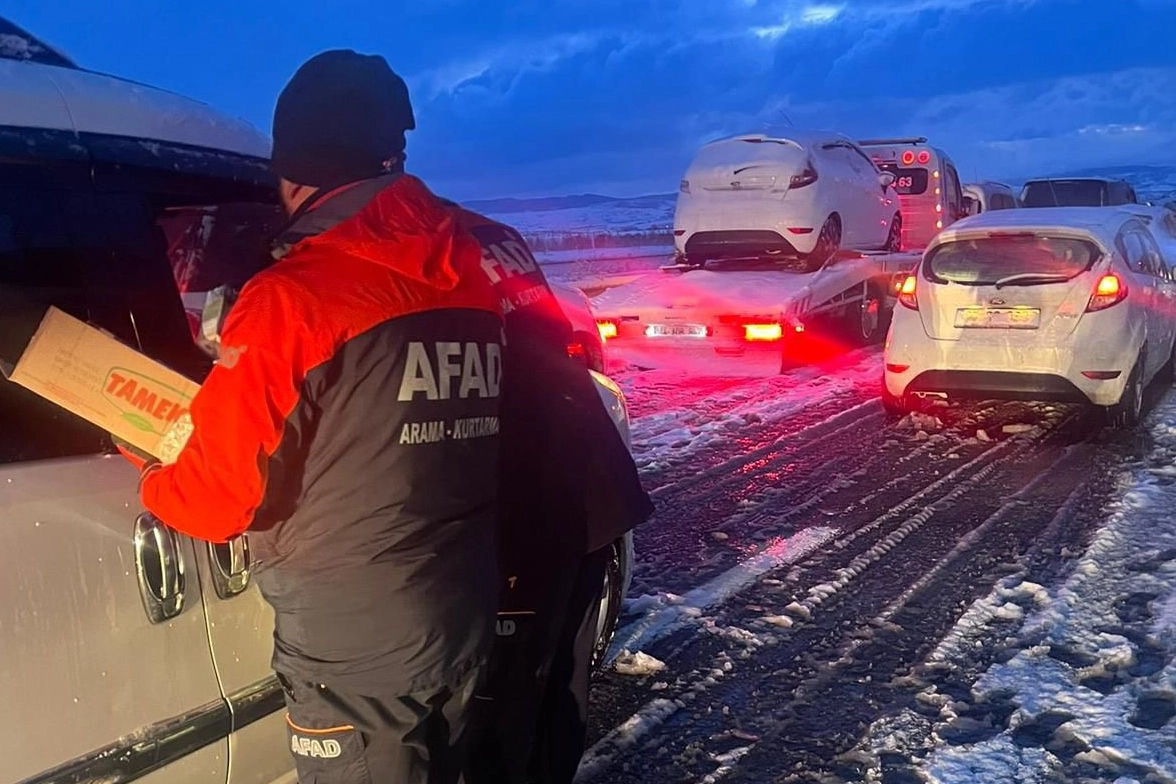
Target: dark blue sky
(531, 97)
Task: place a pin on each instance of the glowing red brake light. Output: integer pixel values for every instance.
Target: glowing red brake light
(1111, 290)
(608, 329)
(762, 332)
(908, 158)
(924, 157)
(906, 293)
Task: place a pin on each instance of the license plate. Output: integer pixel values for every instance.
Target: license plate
(998, 318)
(675, 331)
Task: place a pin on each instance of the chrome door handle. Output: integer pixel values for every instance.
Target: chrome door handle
(160, 567)
(230, 566)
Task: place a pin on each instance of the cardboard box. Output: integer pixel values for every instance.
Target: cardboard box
(93, 375)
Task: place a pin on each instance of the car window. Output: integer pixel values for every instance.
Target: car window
(1134, 248)
(1065, 193)
(43, 259)
(986, 260)
(955, 198)
(215, 218)
(213, 245)
(1153, 260)
(909, 181)
(863, 161)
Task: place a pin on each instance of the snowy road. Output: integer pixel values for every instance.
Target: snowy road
(821, 590)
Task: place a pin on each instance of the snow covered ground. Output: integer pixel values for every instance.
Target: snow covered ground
(615, 216)
(594, 270)
(1091, 676)
(805, 600)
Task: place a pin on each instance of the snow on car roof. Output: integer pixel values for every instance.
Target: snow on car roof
(802, 136)
(60, 98)
(1100, 222)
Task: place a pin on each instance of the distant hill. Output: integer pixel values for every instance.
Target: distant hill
(553, 203)
(558, 223)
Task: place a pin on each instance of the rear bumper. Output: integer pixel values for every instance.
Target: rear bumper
(1006, 385)
(741, 243)
(1010, 369)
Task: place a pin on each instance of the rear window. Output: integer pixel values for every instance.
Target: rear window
(730, 156)
(1065, 193)
(983, 262)
(909, 182)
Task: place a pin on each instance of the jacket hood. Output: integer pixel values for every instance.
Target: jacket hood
(403, 227)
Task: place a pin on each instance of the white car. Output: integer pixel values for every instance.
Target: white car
(1062, 304)
(988, 196)
(797, 193)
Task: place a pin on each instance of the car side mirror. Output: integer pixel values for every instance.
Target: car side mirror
(886, 179)
(971, 206)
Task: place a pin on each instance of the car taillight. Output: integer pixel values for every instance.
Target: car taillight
(806, 177)
(1111, 290)
(576, 352)
(762, 332)
(908, 157)
(906, 293)
(608, 329)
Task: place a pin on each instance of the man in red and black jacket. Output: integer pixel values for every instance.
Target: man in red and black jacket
(350, 427)
(569, 489)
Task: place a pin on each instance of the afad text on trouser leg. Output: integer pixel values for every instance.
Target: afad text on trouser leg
(330, 755)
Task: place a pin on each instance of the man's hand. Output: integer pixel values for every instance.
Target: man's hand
(142, 461)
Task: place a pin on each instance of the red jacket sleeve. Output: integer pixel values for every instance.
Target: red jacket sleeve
(218, 481)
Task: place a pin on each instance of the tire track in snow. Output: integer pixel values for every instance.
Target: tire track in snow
(968, 476)
(809, 735)
(780, 490)
(831, 606)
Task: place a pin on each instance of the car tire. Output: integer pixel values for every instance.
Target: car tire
(893, 405)
(866, 320)
(1167, 373)
(1126, 414)
(894, 236)
(611, 599)
(828, 243)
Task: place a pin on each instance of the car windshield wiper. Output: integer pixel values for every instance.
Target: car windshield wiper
(1030, 277)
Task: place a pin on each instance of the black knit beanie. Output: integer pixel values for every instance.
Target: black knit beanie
(342, 116)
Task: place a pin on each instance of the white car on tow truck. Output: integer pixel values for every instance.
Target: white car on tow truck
(1069, 304)
(755, 312)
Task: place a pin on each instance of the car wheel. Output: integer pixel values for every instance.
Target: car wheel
(1167, 373)
(894, 236)
(611, 597)
(893, 405)
(867, 318)
(1126, 414)
(828, 242)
